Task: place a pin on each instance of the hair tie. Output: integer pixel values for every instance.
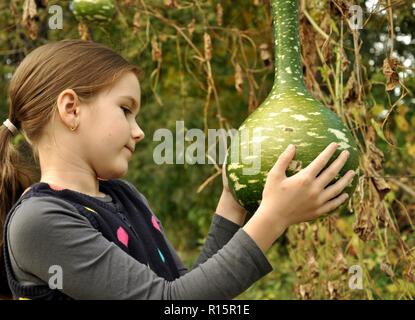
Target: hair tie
(9, 125)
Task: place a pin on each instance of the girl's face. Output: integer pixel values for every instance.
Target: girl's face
(109, 130)
(105, 136)
(99, 147)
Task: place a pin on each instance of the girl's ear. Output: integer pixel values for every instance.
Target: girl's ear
(68, 108)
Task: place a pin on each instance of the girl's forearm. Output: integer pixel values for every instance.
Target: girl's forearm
(263, 229)
(229, 209)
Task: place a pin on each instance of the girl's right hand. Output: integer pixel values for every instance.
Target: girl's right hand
(306, 195)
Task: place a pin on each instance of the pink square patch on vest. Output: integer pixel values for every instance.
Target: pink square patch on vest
(122, 236)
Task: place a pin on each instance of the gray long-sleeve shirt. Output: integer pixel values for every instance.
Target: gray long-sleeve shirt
(47, 231)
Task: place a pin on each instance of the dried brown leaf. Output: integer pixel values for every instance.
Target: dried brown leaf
(387, 269)
(170, 3)
(345, 60)
(219, 14)
(364, 226)
(341, 263)
(191, 26)
(14, 11)
(409, 272)
(316, 238)
(84, 32)
(137, 20)
(381, 185)
(252, 101)
(239, 80)
(389, 70)
(156, 53)
(29, 10)
(351, 92)
(208, 46)
(333, 289)
(32, 29)
(374, 154)
(305, 291)
(28, 18)
(313, 266)
(301, 230)
(382, 215)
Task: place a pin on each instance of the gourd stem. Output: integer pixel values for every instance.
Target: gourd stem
(288, 68)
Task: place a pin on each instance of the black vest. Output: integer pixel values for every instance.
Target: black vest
(131, 226)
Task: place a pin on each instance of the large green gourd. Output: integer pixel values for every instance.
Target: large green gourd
(289, 115)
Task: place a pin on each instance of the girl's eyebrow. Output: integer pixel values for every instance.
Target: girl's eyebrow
(133, 101)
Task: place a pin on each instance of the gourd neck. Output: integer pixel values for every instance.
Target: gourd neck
(288, 68)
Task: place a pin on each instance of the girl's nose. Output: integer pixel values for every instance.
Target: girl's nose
(138, 134)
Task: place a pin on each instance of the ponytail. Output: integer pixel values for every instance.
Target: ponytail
(16, 174)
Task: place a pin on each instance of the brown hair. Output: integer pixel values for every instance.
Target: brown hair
(87, 68)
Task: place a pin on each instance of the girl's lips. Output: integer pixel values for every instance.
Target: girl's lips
(131, 153)
(132, 150)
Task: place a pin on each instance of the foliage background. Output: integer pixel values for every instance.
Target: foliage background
(209, 63)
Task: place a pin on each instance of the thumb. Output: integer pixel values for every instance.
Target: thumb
(283, 161)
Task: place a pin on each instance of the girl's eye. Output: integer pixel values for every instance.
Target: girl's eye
(126, 110)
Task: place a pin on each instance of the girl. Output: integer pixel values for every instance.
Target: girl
(79, 231)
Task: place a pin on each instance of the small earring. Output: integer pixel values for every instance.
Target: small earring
(73, 129)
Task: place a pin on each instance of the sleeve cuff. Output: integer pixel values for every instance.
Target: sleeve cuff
(223, 223)
(263, 264)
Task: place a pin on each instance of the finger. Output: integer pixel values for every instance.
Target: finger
(283, 161)
(331, 205)
(331, 172)
(337, 188)
(321, 161)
